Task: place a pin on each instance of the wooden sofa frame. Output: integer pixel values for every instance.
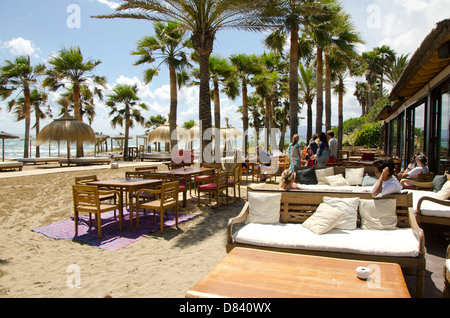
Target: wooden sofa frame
(297, 206)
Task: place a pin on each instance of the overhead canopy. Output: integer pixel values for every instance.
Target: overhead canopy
(3, 136)
(424, 65)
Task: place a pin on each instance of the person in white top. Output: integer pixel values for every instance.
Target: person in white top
(333, 144)
(387, 183)
(412, 172)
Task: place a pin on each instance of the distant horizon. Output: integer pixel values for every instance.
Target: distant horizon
(40, 29)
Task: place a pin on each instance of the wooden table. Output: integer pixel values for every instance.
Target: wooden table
(252, 273)
(186, 173)
(129, 186)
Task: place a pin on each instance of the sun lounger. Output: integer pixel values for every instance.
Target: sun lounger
(11, 165)
(85, 161)
(38, 160)
(162, 156)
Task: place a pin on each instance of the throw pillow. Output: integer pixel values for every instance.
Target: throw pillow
(324, 219)
(349, 206)
(369, 181)
(264, 208)
(321, 174)
(354, 176)
(438, 182)
(444, 193)
(378, 214)
(307, 176)
(337, 181)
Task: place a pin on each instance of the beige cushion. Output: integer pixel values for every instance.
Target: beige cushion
(337, 181)
(264, 208)
(444, 193)
(349, 206)
(324, 219)
(321, 175)
(354, 176)
(378, 214)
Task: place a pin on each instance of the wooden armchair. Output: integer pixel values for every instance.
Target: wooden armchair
(168, 199)
(146, 169)
(447, 274)
(270, 171)
(135, 174)
(216, 185)
(87, 199)
(206, 177)
(105, 195)
(235, 180)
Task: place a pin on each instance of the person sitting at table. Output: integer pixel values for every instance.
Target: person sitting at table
(414, 169)
(288, 181)
(387, 183)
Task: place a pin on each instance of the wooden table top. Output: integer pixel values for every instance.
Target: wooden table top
(186, 171)
(251, 273)
(123, 182)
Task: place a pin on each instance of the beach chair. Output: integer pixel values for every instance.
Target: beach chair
(216, 186)
(87, 199)
(168, 199)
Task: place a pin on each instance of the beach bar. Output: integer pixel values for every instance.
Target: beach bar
(417, 121)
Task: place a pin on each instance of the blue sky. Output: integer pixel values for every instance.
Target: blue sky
(40, 29)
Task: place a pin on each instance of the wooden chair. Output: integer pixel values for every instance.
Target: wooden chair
(105, 194)
(168, 199)
(270, 171)
(146, 169)
(235, 180)
(87, 199)
(183, 185)
(135, 174)
(206, 177)
(216, 186)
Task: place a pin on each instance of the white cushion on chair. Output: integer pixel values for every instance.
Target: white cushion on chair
(264, 208)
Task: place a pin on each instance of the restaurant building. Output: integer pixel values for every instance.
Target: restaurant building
(418, 118)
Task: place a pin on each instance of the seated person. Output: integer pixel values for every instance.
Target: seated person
(265, 160)
(310, 161)
(387, 183)
(287, 181)
(413, 170)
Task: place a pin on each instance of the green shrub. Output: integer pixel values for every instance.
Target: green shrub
(369, 135)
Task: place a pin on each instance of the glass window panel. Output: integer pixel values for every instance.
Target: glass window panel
(445, 130)
(419, 129)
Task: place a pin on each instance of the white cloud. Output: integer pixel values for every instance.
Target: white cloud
(113, 5)
(21, 46)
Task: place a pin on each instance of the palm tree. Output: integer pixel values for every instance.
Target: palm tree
(38, 100)
(125, 96)
(246, 66)
(19, 75)
(168, 45)
(395, 68)
(387, 56)
(86, 101)
(373, 68)
(361, 94)
(69, 66)
(203, 18)
(289, 15)
(308, 87)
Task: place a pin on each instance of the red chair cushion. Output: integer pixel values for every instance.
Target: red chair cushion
(368, 156)
(203, 177)
(182, 188)
(208, 186)
(230, 181)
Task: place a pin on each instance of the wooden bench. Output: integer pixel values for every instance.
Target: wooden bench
(11, 165)
(297, 206)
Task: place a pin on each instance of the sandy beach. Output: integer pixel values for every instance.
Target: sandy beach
(156, 266)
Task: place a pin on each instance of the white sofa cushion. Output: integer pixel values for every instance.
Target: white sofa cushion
(401, 242)
(321, 175)
(264, 208)
(429, 208)
(337, 181)
(328, 188)
(349, 206)
(447, 264)
(324, 219)
(354, 176)
(378, 214)
(444, 193)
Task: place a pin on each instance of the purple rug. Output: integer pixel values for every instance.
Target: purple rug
(112, 238)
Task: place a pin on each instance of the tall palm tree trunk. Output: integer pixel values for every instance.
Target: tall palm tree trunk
(340, 115)
(267, 121)
(38, 151)
(216, 117)
(127, 134)
(245, 115)
(319, 99)
(205, 101)
(77, 115)
(293, 81)
(309, 120)
(173, 107)
(327, 94)
(26, 93)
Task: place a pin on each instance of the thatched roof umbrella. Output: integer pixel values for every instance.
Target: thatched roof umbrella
(3, 136)
(99, 139)
(162, 134)
(66, 128)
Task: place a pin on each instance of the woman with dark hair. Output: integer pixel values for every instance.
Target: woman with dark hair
(387, 183)
(294, 153)
(323, 153)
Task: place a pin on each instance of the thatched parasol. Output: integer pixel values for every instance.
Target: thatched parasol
(162, 134)
(66, 128)
(3, 136)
